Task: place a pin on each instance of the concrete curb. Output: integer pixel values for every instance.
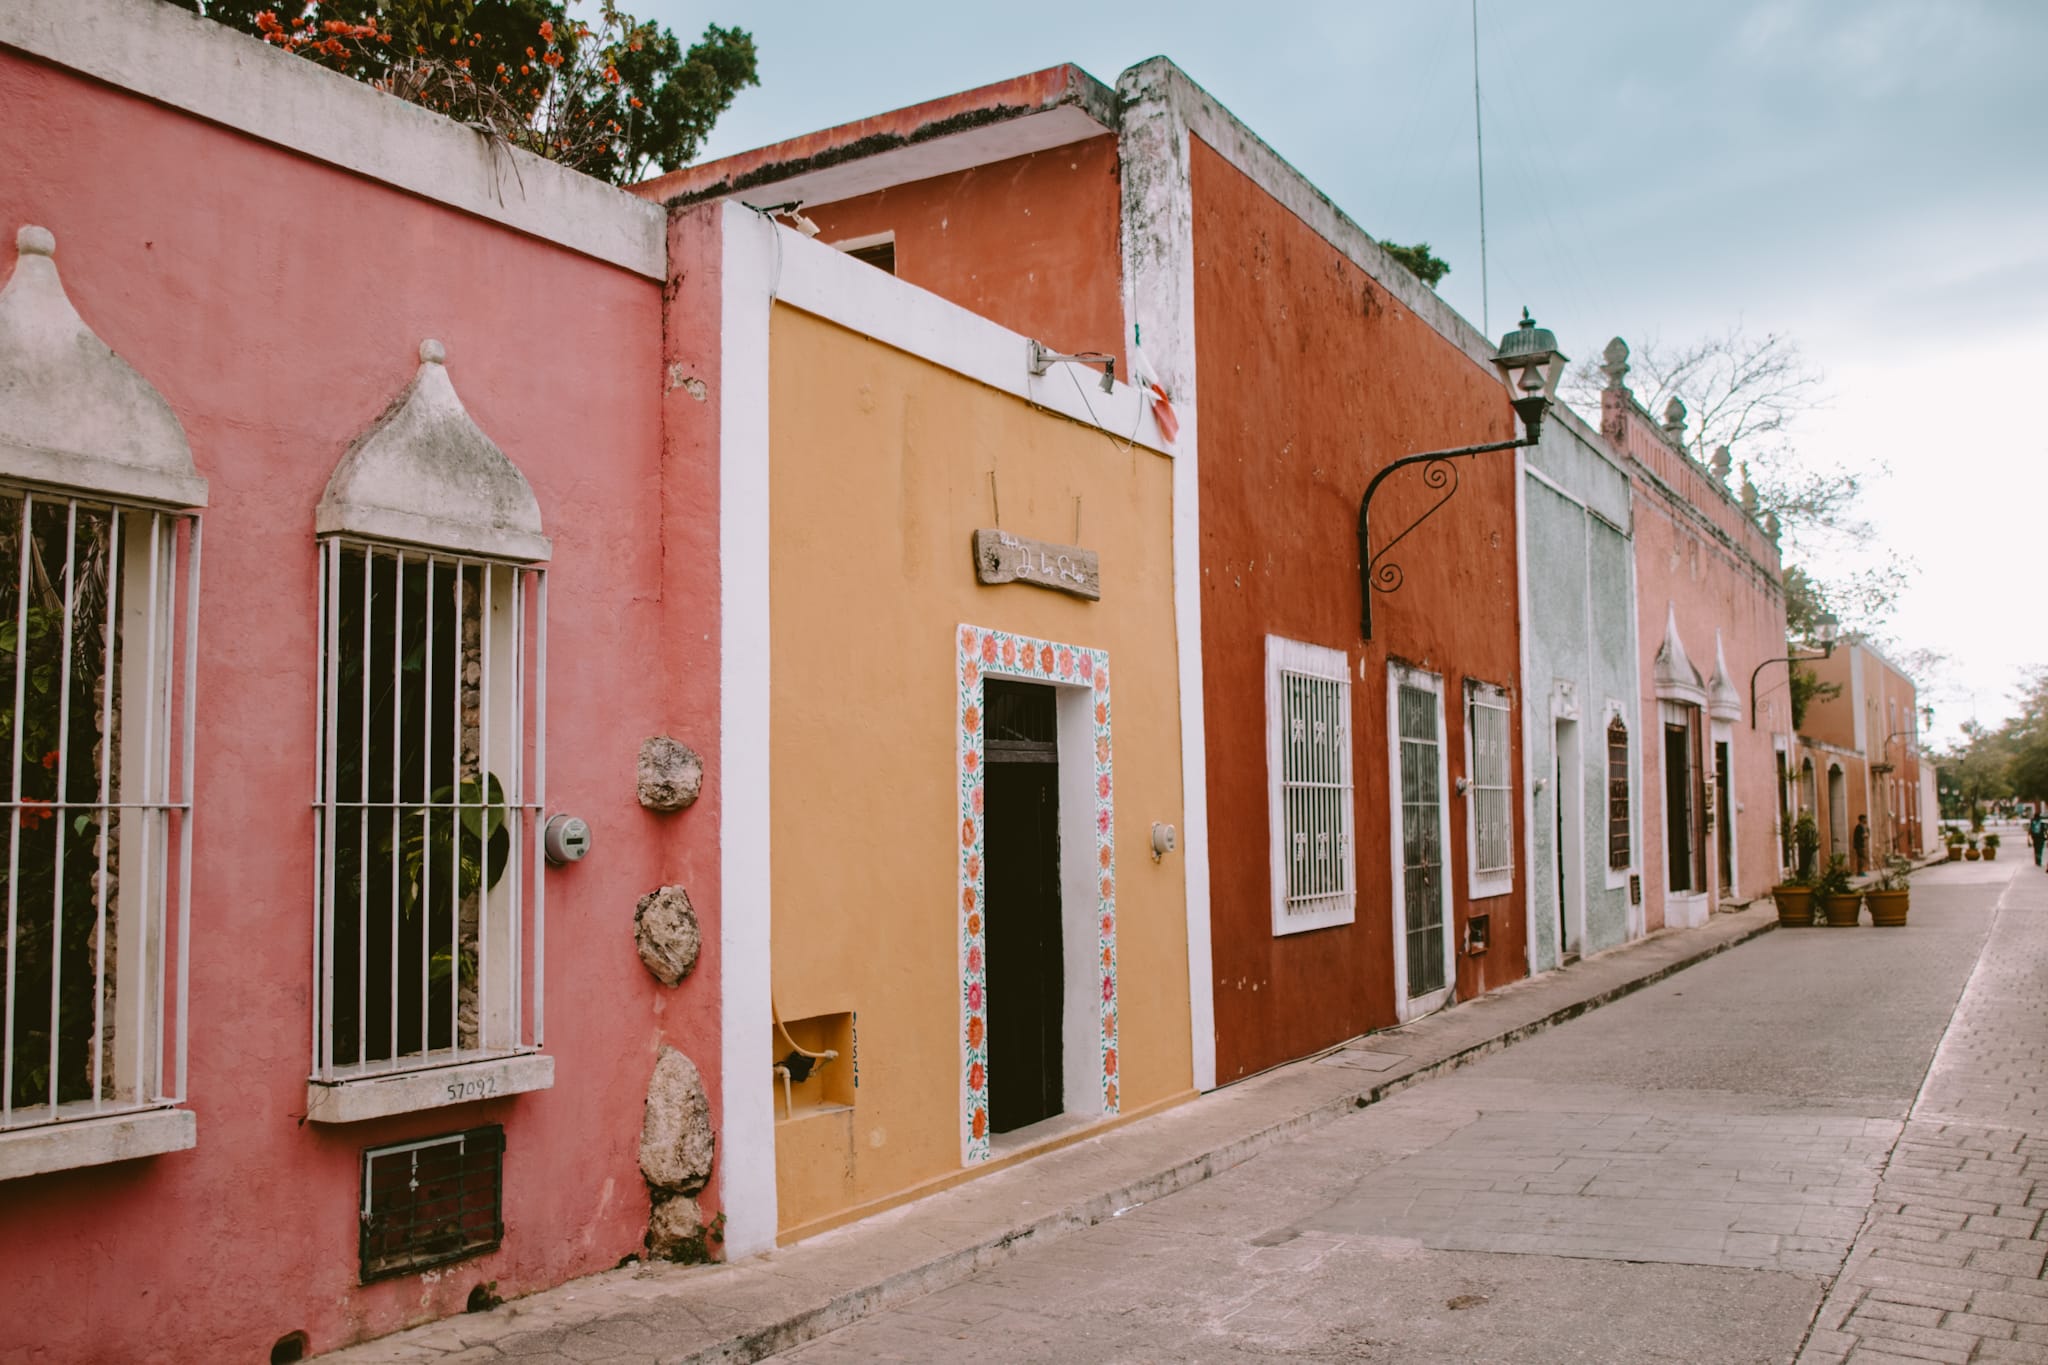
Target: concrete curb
(782, 1299)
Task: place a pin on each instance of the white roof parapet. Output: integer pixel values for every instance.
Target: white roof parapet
(175, 58)
(72, 413)
(1723, 701)
(426, 474)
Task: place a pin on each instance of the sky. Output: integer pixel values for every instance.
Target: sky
(1868, 177)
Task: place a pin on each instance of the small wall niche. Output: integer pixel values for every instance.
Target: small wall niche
(815, 1085)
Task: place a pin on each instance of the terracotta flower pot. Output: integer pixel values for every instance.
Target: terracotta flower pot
(1990, 855)
(1887, 908)
(1972, 854)
(1795, 905)
(1842, 911)
(1955, 853)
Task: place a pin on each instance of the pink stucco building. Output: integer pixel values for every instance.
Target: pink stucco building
(262, 1061)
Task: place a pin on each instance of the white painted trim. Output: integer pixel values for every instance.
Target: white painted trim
(409, 1092)
(1158, 253)
(746, 1150)
(864, 241)
(1499, 883)
(1285, 656)
(827, 283)
(96, 1142)
(1526, 623)
(905, 165)
(175, 58)
(1571, 818)
(1718, 733)
(1405, 1008)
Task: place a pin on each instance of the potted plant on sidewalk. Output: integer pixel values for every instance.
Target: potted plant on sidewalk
(1954, 840)
(1794, 898)
(1970, 853)
(1888, 894)
(1840, 901)
(1991, 846)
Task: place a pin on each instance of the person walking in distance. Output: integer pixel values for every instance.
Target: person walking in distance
(1860, 841)
(2037, 830)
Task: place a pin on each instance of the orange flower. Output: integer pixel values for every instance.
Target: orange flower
(1109, 1094)
(1109, 1063)
(974, 924)
(34, 810)
(970, 719)
(547, 30)
(1045, 658)
(636, 101)
(49, 759)
(967, 898)
(529, 52)
(1106, 965)
(1102, 713)
(966, 833)
(525, 70)
(1104, 855)
(553, 59)
(980, 1123)
(976, 1031)
(977, 1076)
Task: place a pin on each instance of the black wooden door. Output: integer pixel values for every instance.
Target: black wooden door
(1026, 981)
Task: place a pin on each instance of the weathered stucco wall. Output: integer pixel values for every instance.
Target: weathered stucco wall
(1581, 654)
(880, 474)
(1030, 242)
(279, 304)
(1312, 376)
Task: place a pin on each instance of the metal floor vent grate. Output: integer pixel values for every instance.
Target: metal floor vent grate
(433, 1201)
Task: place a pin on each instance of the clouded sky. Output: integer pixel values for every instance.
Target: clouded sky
(1867, 176)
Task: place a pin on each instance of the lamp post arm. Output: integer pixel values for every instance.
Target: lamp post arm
(1788, 659)
(1366, 584)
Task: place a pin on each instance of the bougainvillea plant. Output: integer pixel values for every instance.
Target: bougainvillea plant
(610, 95)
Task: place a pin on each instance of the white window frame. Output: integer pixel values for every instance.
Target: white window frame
(1483, 883)
(1405, 1008)
(1333, 905)
(149, 627)
(505, 1032)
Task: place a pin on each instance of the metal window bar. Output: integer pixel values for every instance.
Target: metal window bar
(1421, 840)
(1618, 851)
(429, 1202)
(98, 794)
(1316, 792)
(431, 687)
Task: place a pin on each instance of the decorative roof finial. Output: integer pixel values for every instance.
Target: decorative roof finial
(1614, 363)
(1749, 497)
(1674, 421)
(1721, 464)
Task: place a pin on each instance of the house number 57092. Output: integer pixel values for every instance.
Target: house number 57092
(481, 1088)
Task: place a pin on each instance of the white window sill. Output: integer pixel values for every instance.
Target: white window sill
(408, 1092)
(96, 1142)
(1486, 891)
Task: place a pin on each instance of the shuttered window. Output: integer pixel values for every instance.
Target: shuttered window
(1489, 793)
(1618, 851)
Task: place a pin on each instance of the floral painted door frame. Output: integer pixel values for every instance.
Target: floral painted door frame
(982, 652)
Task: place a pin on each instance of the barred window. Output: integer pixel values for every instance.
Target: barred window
(1618, 851)
(428, 848)
(1489, 793)
(429, 918)
(96, 627)
(1308, 751)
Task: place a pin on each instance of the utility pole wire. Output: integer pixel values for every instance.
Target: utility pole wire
(1479, 139)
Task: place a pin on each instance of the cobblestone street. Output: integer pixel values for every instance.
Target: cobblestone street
(1739, 1164)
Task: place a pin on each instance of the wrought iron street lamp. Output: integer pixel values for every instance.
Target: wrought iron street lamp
(1530, 365)
(1827, 632)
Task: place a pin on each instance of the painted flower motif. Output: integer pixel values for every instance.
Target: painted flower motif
(970, 674)
(988, 649)
(970, 760)
(1108, 958)
(1066, 662)
(976, 1031)
(1101, 714)
(1108, 888)
(974, 864)
(1086, 663)
(1045, 658)
(967, 833)
(1109, 1094)
(1102, 786)
(974, 923)
(1102, 748)
(1009, 652)
(967, 895)
(970, 720)
(981, 1124)
(977, 800)
(1108, 925)
(1108, 988)
(977, 1077)
(975, 997)
(967, 639)
(1102, 823)
(1109, 1062)
(974, 961)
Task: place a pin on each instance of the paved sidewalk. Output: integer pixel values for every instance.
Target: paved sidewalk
(1948, 1265)
(772, 1302)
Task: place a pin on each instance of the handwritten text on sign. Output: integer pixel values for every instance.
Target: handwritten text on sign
(1000, 557)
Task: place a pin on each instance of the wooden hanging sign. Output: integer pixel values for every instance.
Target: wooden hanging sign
(1000, 557)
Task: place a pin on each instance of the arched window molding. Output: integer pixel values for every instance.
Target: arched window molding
(99, 575)
(429, 917)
